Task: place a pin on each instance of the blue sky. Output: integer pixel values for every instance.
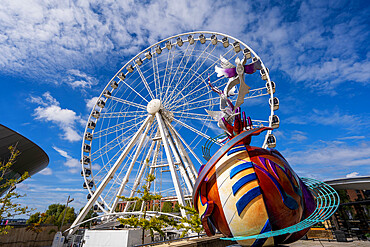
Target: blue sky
(57, 56)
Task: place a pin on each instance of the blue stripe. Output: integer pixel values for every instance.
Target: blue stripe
(240, 168)
(244, 180)
(261, 241)
(247, 198)
(236, 149)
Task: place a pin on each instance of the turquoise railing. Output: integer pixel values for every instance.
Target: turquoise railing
(327, 202)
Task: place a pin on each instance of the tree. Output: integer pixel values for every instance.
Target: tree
(154, 224)
(192, 223)
(9, 208)
(53, 215)
(167, 207)
(176, 208)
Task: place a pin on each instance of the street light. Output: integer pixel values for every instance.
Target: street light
(65, 210)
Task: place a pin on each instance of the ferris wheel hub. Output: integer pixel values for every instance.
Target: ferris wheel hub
(153, 106)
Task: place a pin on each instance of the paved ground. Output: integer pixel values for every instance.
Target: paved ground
(310, 243)
(216, 242)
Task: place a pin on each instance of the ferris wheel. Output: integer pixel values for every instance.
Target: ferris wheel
(151, 118)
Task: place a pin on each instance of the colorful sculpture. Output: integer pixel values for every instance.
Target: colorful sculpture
(251, 194)
(245, 190)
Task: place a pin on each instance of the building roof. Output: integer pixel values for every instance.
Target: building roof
(32, 158)
(355, 183)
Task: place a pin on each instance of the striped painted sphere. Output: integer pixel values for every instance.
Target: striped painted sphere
(249, 191)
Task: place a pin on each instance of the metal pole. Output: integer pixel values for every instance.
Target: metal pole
(65, 210)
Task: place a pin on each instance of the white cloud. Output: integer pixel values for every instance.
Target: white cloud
(331, 159)
(328, 118)
(46, 171)
(319, 46)
(72, 163)
(298, 136)
(352, 138)
(91, 102)
(352, 175)
(50, 111)
(78, 79)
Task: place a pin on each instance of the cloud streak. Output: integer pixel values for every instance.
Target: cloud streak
(73, 164)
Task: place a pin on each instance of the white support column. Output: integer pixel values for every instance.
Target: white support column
(140, 174)
(189, 166)
(195, 172)
(175, 179)
(184, 174)
(109, 176)
(128, 173)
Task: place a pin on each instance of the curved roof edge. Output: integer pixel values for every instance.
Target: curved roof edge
(32, 158)
(355, 183)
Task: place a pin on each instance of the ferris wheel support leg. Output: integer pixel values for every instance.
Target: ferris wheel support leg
(179, 161)
(151, 171)
(108, 177)
(140, 174)
(128, 173)
(191, 151)
(175, 179)
(189, 166)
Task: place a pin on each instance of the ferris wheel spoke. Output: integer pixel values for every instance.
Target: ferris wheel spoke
(144, 81)
(191, 69)
(128, 102)
(108, 166)
(178, 67)
(194, 105)
(205, 86)
(196, 116)
(185, 143)
(191, 128)
(120, 114)
(182, 72)
(168, 72)
(133, 90)
(108, 144)
(157, 82)
(213, 72)
(162, 87)
(209, 67)
(116, 128)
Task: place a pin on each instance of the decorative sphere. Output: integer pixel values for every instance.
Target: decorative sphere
(248, 191)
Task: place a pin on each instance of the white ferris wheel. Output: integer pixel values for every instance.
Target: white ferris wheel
(151, 119)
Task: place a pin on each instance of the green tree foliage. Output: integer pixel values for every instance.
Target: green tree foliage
(176, 208)
(9, 208)
(154, 224)
(167, 207)
(53, 215)
(89, 215)
(192, 223)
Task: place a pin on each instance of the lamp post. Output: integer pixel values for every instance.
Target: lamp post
(65, 210)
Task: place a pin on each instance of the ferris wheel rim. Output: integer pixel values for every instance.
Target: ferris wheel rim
(138, 55)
